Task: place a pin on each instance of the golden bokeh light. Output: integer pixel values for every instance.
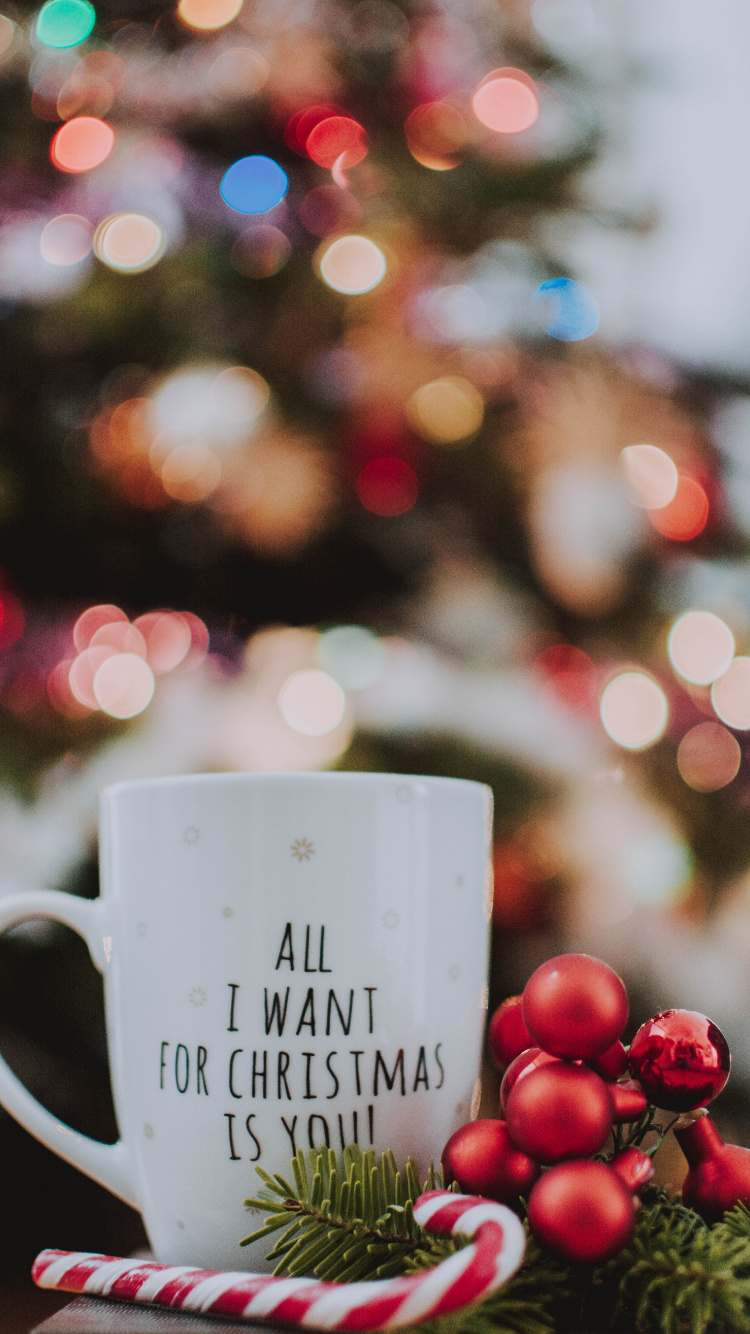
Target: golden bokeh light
(447, 411)
(708, 757)
(190, 472)
(633, 710)
(82, 144)
(352, 265)
(311, 702)
(241, 395)
(700, 647)
(730, 695)
(129, 242)
(124, 685)
(651, 476)
(207, 15)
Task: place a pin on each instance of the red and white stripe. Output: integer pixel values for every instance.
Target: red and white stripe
(496, 1253)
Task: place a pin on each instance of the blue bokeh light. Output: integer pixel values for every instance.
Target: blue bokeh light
(571, 311)
(254, 184)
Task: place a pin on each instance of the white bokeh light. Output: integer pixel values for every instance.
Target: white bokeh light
(700, 646)
(634, 710)
(311, 702)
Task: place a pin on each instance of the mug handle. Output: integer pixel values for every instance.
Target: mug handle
(109, 1164)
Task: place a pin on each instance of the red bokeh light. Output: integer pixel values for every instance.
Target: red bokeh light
(89, 622)
(387, 486)
(686, 515)
(506, 101)
(12, 620)
(82, 144)
(303, 122)
(168, 639)
(339, 139)
(569, 674)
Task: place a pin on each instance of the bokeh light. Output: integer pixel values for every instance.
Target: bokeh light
(327, 209)
(190, 472)
(388, 487)
(61, 696)
(167, 637)
(199, 404)
(633, 709)
(708, 757)
(7, 31)
(123, 685)
(89, 622)
(686, 515)
(352, 265)
(311, 702)
(254, 184)
(730, 695)
(435, 131)
(447, 411)
(240, 395)
(120, 635)
(651, 476)
(260, 252)
(337, 140)
(658, 868)
(82, 144)
(506, 101)
(129, 242)
(571, 312)
(700, 647)
(208, 15)
(238, 73)
(67, 239)
(83, 669)
(568, 673)
(64, 23)
(352, 655)
(302, 123)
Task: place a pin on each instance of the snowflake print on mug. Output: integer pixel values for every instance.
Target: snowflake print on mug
(302, 849)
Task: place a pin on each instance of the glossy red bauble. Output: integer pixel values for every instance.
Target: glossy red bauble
(559, 1111)
(681, 1059)
(612, 1063)
(508, 1035)
(719, 1173)
(575, 1006)
(582, 1211)
(523, 1065)
(483, 1160)
(634, 1167)
(628, 1101)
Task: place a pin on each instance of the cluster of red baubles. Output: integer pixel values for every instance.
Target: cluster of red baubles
(568, 1079)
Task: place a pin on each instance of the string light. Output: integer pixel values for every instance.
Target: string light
(207, 15)
(730, 695)
(82, 144)
(64, 23)
(337, 139)
(447, 411)
(708, 757)
(353, 265)
(700, 647)
(254, 184)
(67, 239)
(311, 702)
(650, 474)
(129, 242)
(506, 101)
(633, 710)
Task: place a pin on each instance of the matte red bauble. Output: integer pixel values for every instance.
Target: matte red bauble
(681, 1059)
(582, 1211)
(482, 1159)
(575, 1006)
(719, 1173)
(508, 1035)
(612, 1063)
(523, 1064)
(633, 1167)
(559, 1111)
(628, 1101)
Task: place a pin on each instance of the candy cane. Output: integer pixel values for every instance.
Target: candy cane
(465, 1277)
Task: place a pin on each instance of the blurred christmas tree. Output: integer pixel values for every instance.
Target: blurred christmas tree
(289, 341)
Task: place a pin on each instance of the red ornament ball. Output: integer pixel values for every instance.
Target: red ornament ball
(582, 1211)
(719, 1173)
(483, 1160)
(559, 1111)
(634, 1167)
(681, 1059)
(523, 1064)
(612, 1063)
(508, 1035)
(575, 1006)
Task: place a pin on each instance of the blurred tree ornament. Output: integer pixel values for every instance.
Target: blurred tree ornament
(508, 1035)
(575, 1006)
(482, 1158)
(681, 1059)
(526, 1061)
(582, 1211)
(718, 1176)
(559, 1111)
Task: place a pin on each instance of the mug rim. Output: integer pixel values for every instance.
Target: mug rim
(271, 778)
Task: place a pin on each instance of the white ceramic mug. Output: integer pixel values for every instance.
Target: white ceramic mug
(290, 960)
